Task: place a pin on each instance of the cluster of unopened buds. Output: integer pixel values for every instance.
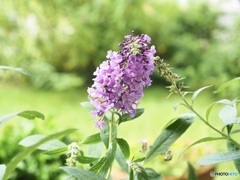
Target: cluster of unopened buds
(72, 154)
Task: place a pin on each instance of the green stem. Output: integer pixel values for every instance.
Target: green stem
(111, 124)
(202, 119)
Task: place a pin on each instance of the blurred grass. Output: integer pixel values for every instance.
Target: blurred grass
(62, 110)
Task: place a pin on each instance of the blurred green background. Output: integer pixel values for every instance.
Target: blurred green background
(60, 43)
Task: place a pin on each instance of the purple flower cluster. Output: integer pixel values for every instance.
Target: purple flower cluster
(120, 80)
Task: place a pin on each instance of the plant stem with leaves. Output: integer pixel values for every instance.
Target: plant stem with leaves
(166, 72)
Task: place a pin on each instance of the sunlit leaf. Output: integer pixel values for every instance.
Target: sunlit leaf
(168, 137)
(191, 172)
(2, 170)
(92, 139)
(210, 107)
(50, 145)
(228, 114)
(7, 117)
(219, 157)
(14, 69)
(87, 105)
(225, 85)
(206, 139)
(195, 94)
(22, 155)
(81, 174)
(124, 147)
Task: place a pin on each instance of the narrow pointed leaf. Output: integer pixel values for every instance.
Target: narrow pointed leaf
(126, 117)
(206, 139)
(23, 71)
(168, 137)
(195, 94)
(124, 147)
(87, 105)
(232, 147)
(122, 161)
(7, 117)
(191, 172)
(56, 152)
(81, 174)
(26, 114)
(225, 85)
(86, 159)
(219, 157)
(50, 145)
(22, 155)
(92, 139)
(2, 170)
(103, 165)
(31, 115)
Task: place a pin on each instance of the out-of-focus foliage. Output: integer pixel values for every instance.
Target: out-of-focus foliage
(61, 42)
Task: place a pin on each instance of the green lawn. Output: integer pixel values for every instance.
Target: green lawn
(63, 110)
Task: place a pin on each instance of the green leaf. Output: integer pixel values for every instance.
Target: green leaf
(124, 147)
(56, 152)
(87, 159)
(92, 139)
(225, 85)
(139, 159)
(14, 69)
(232, 147)
(50, 145)
(122, 161)
(152, 174)
(210, 107)
(95, 150)
(2, 170)
(191, 172)
(126, 117)
(228, 114)
(26, 114)
(31, 115)
(139, 171)
(195, 94)
(81, 174)
(22, 155)
(168, 137)
(103, 165)
(7, 117)
(87, 105)
(206, 139)
(219, 157)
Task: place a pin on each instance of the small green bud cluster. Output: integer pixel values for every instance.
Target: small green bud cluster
(166, 72)
(72, 154)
